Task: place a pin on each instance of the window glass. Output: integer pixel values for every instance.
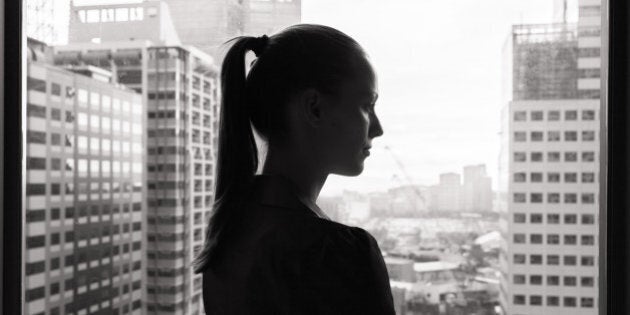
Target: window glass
(496, 170)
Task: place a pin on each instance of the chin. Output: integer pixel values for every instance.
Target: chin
(354, 170)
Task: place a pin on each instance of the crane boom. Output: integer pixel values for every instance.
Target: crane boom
(402, 168)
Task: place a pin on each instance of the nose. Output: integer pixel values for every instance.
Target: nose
(375, 130)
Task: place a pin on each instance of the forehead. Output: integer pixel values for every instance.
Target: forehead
(362, 86)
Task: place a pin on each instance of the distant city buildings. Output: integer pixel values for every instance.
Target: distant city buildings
(473, 195)
(550, 168)
(179, 84)
(207, 24)
(84, 206)
(477, 189)
(141, 21)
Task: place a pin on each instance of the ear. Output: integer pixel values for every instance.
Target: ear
(311, 109)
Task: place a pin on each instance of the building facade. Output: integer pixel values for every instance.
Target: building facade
(146, 20)
(447, 195)
(207, 24)
(550, 158)
(180, 88)
(179, 84)
(84, 206)
(477, 189)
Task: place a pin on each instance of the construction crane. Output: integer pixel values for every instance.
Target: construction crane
(408, 179)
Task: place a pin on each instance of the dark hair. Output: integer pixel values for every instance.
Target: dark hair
(300, 57)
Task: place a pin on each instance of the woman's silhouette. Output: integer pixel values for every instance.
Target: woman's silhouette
(269, 249)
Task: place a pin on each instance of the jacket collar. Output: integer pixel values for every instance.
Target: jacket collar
(278, 191)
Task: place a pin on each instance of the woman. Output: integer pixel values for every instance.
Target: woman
(269, 249)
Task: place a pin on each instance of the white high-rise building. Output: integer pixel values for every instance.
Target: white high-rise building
(550, 166)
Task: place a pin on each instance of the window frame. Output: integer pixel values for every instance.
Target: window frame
(614, 166)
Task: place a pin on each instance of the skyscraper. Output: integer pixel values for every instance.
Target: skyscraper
(180, 87)
(551, 158)
(209, 23)
(477, 189)
(447, 195)
(84, 191)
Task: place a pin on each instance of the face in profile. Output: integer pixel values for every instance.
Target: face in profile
(352, 125)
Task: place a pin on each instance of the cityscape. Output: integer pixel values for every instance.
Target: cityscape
(121, 144)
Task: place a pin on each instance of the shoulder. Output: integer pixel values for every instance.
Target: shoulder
(342, 271)
(313, 232)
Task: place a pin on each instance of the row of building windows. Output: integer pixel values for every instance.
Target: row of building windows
(168, 167)
(40, 189)
(554, 136)
(567, 260)
(201, 168)
(554, 115)
(554, 239)
(94, 99)
(552, 300)
(590, 10)
(196, 137)
(39, 215)
(167, 219)
(160, 150)
(554, 218)
(589, 31)
(56, 114)
(568, 198)
(590, 52)
(117, 311)
(33, 242)
(554, 177)
(166, 237)
(106, 103)
(153, 185)
(94, 144)
(554, 156)
(115, 15)
(94, 166)
(41, 163)
(199, 185)
(72, 259)
(207, 153)
(554, 280)
(101, 124)
(39, 137)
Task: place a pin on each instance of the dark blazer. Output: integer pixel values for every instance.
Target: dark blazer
(282, 258)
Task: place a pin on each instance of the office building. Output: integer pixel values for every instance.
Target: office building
(550, 165)
(477, 189)
(180, 87)
(207, 24)
(146, 20)
(447, 195)
(84, 207)
(544, 60)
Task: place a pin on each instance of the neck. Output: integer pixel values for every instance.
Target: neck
(298, 168)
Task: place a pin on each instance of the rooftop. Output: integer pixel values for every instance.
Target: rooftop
(434, 266)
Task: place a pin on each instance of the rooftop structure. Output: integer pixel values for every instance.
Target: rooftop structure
(545, 61)
(146, 20)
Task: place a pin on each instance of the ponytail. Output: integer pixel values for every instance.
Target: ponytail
(237, 154)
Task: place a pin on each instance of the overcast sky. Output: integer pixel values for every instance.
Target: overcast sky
(439, 65)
